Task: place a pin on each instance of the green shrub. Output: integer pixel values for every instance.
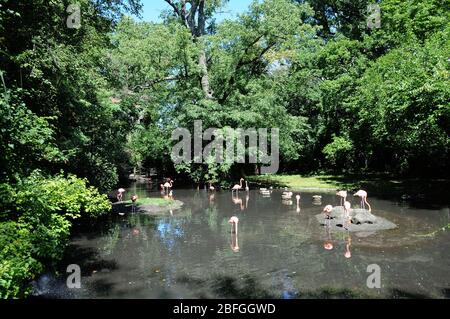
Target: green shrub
(17, 265)
(44, 209)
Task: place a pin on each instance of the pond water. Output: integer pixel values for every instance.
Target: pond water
(278, 251)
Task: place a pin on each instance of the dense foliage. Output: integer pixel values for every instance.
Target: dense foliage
(345, 97)
(55, 115)
(35, 223)
(82, 107)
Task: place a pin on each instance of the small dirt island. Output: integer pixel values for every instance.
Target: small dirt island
(152, 206)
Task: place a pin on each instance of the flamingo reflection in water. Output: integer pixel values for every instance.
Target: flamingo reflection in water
(297, 197)
(328, 244)
(234, 221)
(348, 242)
(237, 201)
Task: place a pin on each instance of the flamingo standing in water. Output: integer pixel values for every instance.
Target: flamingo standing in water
(211, 188)
(343, 195)
(363, 195)
(168, 185)
(246, 186)
(346, 215)
(134, 198)
(327, 210)
(237, 187)
(120, 192)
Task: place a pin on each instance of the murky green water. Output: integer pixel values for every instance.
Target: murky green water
(278, 251)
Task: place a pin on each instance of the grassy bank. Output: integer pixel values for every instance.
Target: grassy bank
(151, 201)
(383, 185)
(296, 181)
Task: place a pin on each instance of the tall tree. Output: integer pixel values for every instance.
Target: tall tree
(194, 15)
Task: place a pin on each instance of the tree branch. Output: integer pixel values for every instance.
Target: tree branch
(174, 6)
(156, 81)
(241, 63)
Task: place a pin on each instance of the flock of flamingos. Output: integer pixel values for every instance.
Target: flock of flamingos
(166, 191)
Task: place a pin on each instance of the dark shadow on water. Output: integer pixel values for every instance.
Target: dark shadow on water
(87, 259)
(245, 288)
(401, 294)
(446, 292)
(419, 193)
(249, 288)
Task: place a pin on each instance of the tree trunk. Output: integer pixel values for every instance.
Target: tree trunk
(204, 75)
(194, 19)
(202, 61)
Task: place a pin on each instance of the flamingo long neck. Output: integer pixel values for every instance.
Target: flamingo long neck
(240, 182)
(365, 200)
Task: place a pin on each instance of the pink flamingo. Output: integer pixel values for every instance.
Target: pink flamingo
(346, 215)
(168, 185)
(246, 186)
(363, 195)
(211, 188)
(120, 192)
(134, 198)
(327, 210)
(343, 195)
(237, 187)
